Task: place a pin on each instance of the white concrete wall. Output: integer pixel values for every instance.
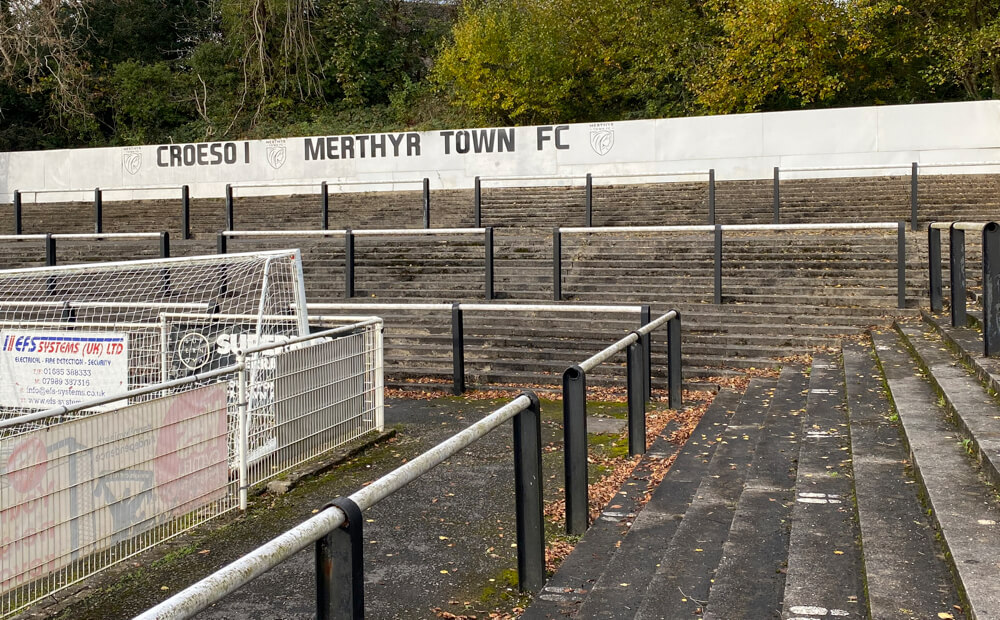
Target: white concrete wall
(741, 146)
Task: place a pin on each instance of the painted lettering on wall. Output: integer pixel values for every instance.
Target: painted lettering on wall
(363, 146)
(547, 133)
(479, 141)
(204, 154)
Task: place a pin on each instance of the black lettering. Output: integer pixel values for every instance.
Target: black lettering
(396, 140)
(462, 142)
(413, 144)
(347, 146)
(559, 143)
(189, 155)
(202, 154)
(483, 140)
(331, 148)
(216, 151)
(229, 153)
(361, 140)
(543, 135)
(175, 156)
(447, 141)
(506, 141)
(246, 152)
(159, 160)
(314, 150)
(378, 144)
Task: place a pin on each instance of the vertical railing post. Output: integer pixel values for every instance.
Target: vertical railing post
(575, 440)
(477, 204)
(324, 191)
(242, 431)
(589, 202)
(528, 496)
(956, 265)
(185, 212)
(457, 349)
(777, 196)
(230, 220)
(991, 289)
(348, 264)
(675, 394)
(50, 250)
(556, 265)
(635, 361)
(340, 567)
(17, 212)
(934, 267)
(98, 211)
(717, 263)
(645, 316)
(711, 196)
(427, 202)
(221, 243)
(164, 244)
(488, 256)
(901, 264)
(914, 201)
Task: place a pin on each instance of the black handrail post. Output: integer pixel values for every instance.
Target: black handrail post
(901, 264)
(325, 195)
(488, 255)
(717, 263)
(164, 244)
(645, 316)
(528, 496)
(991, 289)
(589, 202)
(635, 361)
(556, 265)
(17, 212)
(914, 201)
(185, 212)
(230, 219)
(477, 204)
(934, 267)
(711, 196)
(348, 264)
(222, 243)
(98, 211)
(675, 394)
(50, 250)
(956, 265)
(427, 202)
(457, 349)
(340, 567)
(777, 196)
(575, 440)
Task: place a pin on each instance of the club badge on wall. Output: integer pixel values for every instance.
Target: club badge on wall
(132, 159)
(602, 138)
(277, 153)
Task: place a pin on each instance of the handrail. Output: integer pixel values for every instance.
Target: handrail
(362, 232)
(158, 262)
(732, 227)
(283, 233)
(132, 188)
(125, 235)
(319, 183)
(226, 580)
(506, 307)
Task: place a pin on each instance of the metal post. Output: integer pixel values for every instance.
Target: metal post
(901, 264)
(956, 264)
(324, 190)
(457, 349)
(914, 203)
(17, 212)
(50, 250)
(675, 395)
(349, 264)
(718, 264)
(98, 211)
(185, 212)
(575, 441)
(991, 289)
(242, 432)
(711, 196)
(488, 254)
(635, 360)
(934, 267)
(340, 567)
(777, 196)
(477, 204)
(229, 207)
(556, 265)
(528, 496)
(221, 244)
(427, 203)
(164, 244)
(589, 202)
(645, 316)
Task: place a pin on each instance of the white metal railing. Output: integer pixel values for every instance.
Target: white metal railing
(503, 307)
(731, 228)
(170, 455)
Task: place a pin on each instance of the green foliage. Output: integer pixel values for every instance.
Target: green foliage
(149, 101)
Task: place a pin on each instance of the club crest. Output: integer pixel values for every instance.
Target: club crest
(602, 138)
(132, 160)
(277, 153)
